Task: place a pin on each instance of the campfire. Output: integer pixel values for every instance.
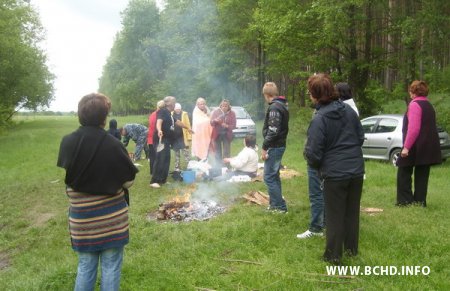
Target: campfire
(183, 208)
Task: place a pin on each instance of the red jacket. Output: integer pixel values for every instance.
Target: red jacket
(151, 126)
(228, 118)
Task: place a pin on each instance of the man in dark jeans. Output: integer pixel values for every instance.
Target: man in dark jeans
(275, 131)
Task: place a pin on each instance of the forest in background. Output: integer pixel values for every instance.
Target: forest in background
(228, 49)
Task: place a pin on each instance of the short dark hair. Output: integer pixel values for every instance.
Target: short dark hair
(93, 109)
(321, 88)
(419, 88)
(344, 91)
(250, 140)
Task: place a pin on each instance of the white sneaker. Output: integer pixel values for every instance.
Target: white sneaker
(308, 234)
(155, 185)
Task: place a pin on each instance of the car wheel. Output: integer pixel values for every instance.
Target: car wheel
(394, 156)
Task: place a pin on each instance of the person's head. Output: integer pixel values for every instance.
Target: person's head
(201, 103)
(113, 124)
(225, 105)
(169, 102)
(321, 89)
(93, 109)
(250, 141)
(344, 91)
(159, 104)
(123, 131)
(270, 91)
(418, 88)
(178, 108)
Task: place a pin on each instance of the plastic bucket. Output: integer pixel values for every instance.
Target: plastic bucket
(188, 177)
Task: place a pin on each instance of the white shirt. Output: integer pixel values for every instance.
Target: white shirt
(246, 160)
(352, 104)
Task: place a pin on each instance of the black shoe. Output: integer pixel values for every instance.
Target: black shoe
(403, 204)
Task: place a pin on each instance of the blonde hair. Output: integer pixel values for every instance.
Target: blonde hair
(200, 99)
(270, 89)
(160, 104)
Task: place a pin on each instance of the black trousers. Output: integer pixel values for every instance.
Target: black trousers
(161, 166)
(342, 202)
(222, 148)
(152, 157)
(405, 194)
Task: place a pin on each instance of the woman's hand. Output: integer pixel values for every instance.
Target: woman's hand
(404, 153)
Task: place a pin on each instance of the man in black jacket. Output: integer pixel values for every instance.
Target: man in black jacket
(275, 131)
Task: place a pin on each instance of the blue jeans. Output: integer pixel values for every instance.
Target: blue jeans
(315, 200)
(111, 265)
(272, 178)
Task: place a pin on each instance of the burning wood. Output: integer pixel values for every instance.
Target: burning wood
(180, 208)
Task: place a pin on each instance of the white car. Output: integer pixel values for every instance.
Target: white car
(383, 138)
(244, 122)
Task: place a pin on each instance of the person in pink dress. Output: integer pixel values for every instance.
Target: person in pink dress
(202, 129)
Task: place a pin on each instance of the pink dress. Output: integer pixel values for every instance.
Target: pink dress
(201, 138)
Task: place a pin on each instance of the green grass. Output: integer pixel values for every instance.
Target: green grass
(35, 252)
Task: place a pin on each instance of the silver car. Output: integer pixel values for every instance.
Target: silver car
(383, 138)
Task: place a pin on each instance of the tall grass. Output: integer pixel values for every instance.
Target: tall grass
(245, 248)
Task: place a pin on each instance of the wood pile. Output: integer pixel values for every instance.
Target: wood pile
(257, 197)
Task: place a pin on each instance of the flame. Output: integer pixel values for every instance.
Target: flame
(182, 198)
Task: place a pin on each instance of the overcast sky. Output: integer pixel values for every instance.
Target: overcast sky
(79, 36)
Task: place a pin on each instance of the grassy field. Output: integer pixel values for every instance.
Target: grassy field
(244, 248)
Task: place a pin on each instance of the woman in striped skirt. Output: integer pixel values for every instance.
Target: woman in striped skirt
(98, 175)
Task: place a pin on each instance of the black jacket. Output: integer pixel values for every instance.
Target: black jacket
(276, 124)
(335, 137)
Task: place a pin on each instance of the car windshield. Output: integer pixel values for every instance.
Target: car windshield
(240, 112)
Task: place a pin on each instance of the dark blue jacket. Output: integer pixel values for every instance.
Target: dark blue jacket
(335, 137)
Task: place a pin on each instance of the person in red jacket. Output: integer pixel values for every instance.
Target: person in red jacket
(151, 131)
(223, 121)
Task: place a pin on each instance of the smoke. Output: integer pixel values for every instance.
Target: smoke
(195, 61)
(219, 192)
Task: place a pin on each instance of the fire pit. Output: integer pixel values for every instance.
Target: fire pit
(183, 208)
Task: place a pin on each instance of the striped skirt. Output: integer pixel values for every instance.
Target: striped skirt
(97, 222)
